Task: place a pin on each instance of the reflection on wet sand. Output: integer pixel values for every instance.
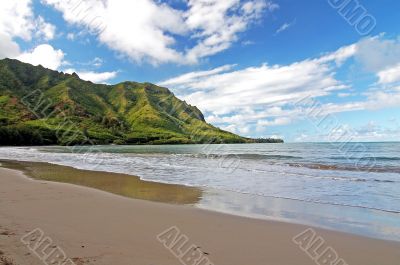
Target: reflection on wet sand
(355, 220)
(120, 184)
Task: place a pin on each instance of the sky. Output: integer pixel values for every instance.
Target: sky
(304, 71)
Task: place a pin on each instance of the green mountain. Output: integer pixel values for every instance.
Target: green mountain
(39, 106)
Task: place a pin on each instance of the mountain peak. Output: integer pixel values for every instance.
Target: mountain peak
(125, 113)
(75, 75)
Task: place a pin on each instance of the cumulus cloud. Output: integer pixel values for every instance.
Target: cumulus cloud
(95, 77)
(254, 95)
(218, 23)
(8, 48)
(223, 92)
(264, 96)
(44, 55)
(17, 20)
(377, 53)
(389, 75)
(147, 29)
(381, 56)
(45, 30)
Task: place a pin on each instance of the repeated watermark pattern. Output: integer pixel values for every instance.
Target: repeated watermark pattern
(178, 245)
(211, 150)
(94, 22)
(316, 248)
(338, 134)
(77, 141)
(355, 14)
(43, 247)
(73, 137)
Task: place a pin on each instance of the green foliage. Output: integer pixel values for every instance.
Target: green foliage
(24, 135)
(267, 140)
(40, 106)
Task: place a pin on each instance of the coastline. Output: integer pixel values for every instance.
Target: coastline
(116, 183)
(96, 227)
(361, 221)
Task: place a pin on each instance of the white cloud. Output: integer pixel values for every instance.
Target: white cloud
(44, 55)
(257, 7)
(376, 133)
(71, 36)
(374, 101)
(365, 133)
(186, 79)
(340, 55)
(145, 29)
(271, 6)
(8, 48)
(248, 42)
(285, 26)
(344, 95)
(224, 92)
(382, 98)
(45, 30)
(97, 62)
(275, 122)
(95, 77)
(16, 18)
(389, 75)
(265, 95)
(138, 29)
(218, 23)
(237, 99)
(377, 54)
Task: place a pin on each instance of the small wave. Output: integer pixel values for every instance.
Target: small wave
(384, 181)
(373, 180)
(366, 158)
(348, 167)
(259, 156)
(355, 179)
(316, 201)
(241, 156)
(383, 158)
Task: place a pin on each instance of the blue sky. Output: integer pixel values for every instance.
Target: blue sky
(248, 65)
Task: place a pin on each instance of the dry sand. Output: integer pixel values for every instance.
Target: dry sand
(95, 227)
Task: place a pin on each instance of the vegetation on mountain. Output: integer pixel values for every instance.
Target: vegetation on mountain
(39, 106)
(267, 140)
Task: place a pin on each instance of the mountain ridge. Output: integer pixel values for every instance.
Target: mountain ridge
(40, 106)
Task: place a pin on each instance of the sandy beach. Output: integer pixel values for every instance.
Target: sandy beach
(97, 227)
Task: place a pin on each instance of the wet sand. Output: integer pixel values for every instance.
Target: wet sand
(97, 227)
(119, 184)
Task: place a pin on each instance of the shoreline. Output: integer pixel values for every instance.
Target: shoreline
(123, 230)
(129, 186)
(366, 222)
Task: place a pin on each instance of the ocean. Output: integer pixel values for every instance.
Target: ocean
(352, 187)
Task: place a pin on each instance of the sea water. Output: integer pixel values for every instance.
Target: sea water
(353, 187)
